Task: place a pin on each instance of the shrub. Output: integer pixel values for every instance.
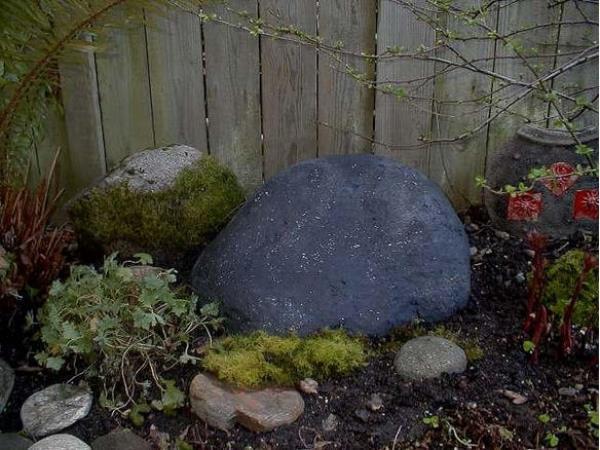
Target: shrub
(259, 359)
(198, 204)
(123, 328)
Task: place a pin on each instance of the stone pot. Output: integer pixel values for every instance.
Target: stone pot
(557, 207)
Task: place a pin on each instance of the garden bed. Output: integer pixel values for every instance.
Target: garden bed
(468, 409)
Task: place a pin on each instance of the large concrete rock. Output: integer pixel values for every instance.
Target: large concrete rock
(358, 241)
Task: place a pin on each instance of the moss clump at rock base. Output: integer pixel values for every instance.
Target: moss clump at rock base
(561, 279)
(260, 359)
(185, 215)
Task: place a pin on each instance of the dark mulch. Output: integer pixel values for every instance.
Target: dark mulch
(469, 407)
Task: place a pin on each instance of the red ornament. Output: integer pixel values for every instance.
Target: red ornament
(562, 178)
(524, 206)
(585, 205)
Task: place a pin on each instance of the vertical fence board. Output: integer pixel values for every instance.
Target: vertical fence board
(400, 122)
(515, 16)
(578, 34)
(459, 108)
(345, 106)
(124, 89)
(289, 87)
(79, 87)
(176, 78)
(233, 94)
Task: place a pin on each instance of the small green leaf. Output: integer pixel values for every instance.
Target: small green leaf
(136, 414)
(583, 150)
(144, 259)
(210, 309)
(55, 362)
(551, 439)
(544, 418)
(528, 346)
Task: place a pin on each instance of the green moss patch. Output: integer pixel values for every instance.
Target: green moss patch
(198, 204)
(260, 359)
(561, 279)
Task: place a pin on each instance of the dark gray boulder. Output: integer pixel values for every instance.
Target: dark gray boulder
(357, 241)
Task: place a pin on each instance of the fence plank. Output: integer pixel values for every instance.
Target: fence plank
(289, 87)
(176, 79)
(400, 122)
(124, 89)
(459, 107)
(575, 37)
(513, 17)
(79, 87)
(345, 107)
(233, 94)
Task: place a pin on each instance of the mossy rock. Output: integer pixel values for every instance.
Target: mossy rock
(170, 199)
(561, 278)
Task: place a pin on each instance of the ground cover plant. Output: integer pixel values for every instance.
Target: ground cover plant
(190, 212)
(123, 331)
(259, 359)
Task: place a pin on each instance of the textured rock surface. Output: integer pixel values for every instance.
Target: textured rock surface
(7, 381)
(427, 357)
(55, 408)
(221, 406)
(14, 441)
(358, 241)
(154, 169)
(60, 442)
(120, 440)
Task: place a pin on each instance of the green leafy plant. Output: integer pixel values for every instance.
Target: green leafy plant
(258, 359)
(432, 421)
(592, 414)
(188, 214)
(551, 439)
(123, 328)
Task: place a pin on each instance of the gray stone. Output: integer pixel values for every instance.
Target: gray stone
(362, 414)
(330, 423)
(222, 406)
(14, 441)
(7, 382)
(348, 241)
(154, 169)
(60, 442)
(540, 147)
(375, 403)
(427, 357)
(55, 408)
(309, 386)
(568, 391)
(120, 440)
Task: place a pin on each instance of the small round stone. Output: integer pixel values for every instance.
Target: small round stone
(428, 357)
(60, 442)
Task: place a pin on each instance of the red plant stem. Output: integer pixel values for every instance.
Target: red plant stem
(540, 330)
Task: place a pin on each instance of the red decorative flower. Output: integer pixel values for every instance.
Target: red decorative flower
(562, 178)
(524, 206)
(586, 204)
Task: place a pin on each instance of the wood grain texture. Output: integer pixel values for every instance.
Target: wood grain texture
(176, 78)
(289, 87)
(233, 94)
(346, 106)
(79, 88)
(400, 122)
(461, 96)
(124, 89)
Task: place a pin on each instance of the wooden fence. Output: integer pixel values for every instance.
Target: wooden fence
(260, 104)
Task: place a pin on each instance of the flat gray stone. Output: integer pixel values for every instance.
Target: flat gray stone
(222, 406)
(60, 442)
(14, 441)
(357, 241)
(428, 357)
(120, 440)
(55, 408)
(154, 169)
(7, 381)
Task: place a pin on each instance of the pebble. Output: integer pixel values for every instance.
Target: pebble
(262, 410)
(309, 386)
(362, 414)
(520, 278)
(473, 251)
(55, 408)
(7, 382)
(120, 440)
(568, 391)
(502, 234)
(530, 253)
(330, 423)
(375, 403)
(426, 357)
(60, 442)
(14, 441)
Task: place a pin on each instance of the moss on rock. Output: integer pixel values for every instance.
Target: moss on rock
(182, 216)
(562, 276)
(260, 359)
